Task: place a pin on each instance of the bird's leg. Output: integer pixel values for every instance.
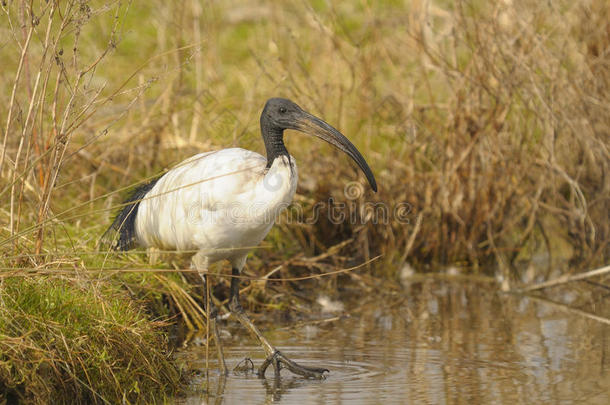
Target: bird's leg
(239, 313)
(274, 356)
(212, 319)
(200, 263)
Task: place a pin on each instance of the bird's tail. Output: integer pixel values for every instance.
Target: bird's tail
(122, 232)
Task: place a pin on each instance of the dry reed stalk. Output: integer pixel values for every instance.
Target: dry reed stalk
(566, 278)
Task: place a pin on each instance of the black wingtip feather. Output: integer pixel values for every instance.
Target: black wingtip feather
(125, 221)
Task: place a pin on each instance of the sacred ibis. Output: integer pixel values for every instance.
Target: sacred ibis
(221, 204)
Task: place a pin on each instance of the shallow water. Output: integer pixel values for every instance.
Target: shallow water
(433, 343)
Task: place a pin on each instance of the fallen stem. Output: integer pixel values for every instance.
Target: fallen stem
(564, 279)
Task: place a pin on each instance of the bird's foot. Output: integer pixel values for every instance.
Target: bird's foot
(246, 366)
(279, 361)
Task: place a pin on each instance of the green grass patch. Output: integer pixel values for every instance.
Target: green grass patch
(76, 341)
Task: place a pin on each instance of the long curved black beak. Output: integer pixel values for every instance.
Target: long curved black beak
(313, 125)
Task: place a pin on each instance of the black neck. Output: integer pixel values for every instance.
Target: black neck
(274, 141)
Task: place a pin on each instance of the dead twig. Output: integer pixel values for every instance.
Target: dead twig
(564, 279)
(567, 308)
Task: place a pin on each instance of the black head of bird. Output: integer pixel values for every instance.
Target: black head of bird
(280, 114)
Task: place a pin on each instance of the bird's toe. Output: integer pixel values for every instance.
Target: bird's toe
(279, 361)
(246, 366)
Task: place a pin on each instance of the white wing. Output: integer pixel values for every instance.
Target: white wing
(222, 202)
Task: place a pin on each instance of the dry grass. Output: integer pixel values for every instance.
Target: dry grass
(489, 121)
(486, 124)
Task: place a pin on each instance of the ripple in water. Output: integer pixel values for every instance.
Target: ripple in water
(469, 345)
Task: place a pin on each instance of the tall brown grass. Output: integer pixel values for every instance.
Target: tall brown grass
(489, 120)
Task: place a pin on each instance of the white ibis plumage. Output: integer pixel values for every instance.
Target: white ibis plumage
(221, 204)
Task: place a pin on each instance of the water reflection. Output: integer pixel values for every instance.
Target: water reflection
(435, 342)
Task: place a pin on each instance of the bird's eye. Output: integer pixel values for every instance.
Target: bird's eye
(282, 110)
